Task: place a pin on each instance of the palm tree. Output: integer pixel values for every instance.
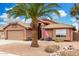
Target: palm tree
(33, 11)
(75, 12)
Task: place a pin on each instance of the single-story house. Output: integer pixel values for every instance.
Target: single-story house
(61, 31)
(21, 31)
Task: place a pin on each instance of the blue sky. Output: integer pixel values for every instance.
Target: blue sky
(66, 7)
(64, 10)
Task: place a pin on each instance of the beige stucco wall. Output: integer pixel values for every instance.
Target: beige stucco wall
(29, 33)
(2, 36)
(76, 36)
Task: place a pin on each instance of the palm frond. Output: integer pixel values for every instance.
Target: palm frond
(31, 10)
(52, 5)
(74, 10)
(49, 11)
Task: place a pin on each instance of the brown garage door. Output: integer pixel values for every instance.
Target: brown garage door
(15, 35)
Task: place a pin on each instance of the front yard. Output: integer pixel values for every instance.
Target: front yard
(22, 48)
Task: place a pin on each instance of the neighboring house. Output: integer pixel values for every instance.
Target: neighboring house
(1, 33)
(21, 31)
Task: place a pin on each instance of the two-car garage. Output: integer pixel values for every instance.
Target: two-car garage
(15, 34)
(16, 31)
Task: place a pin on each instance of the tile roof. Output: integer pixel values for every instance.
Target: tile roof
(20, 23)
(58, 26)
(24, 24)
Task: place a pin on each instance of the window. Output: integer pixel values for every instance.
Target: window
(61, 33)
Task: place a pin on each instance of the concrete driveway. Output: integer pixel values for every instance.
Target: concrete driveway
(21, 48)
(5, 42)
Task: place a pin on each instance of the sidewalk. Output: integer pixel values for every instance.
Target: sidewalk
(6, 54)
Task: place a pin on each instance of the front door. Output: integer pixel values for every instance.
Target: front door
(39, 31)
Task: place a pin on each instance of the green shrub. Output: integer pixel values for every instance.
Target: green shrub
(52, 48)
(58, 40)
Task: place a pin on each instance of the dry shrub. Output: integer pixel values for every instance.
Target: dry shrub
(70, 47)
(52, 48)
(69, 53)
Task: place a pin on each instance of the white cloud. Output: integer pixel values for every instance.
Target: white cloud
(6, 19)
(74, 22)
(6, 9)
(54, 16)
(76, 25)
(27, 20)
(62, 13)
(4, 15)
(73, 19)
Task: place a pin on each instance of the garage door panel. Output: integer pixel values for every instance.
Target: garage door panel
(15, 35)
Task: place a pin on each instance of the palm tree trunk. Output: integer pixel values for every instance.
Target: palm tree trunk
(34, 33)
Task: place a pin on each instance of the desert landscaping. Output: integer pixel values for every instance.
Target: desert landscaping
(23, 48)
(32, 29)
